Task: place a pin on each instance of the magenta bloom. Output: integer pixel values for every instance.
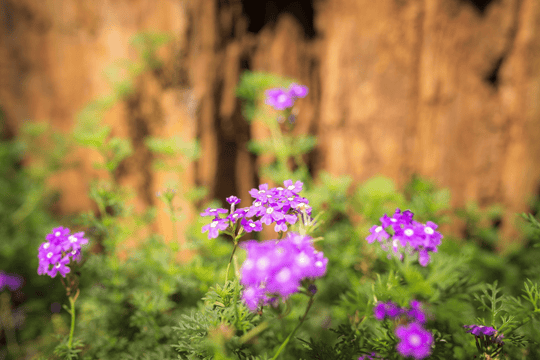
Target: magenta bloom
(298, 91)
(57, 251)
(279, 99)
(415, 341)
(276, 268)
(377, 233)
(11, 281)
(214, 227)
(408, 235)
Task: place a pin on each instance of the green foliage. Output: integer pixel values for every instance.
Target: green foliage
(217, 327)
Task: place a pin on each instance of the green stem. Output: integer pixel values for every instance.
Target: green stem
(230, 260)
(72, 302)
(295, 329)
(5, 312)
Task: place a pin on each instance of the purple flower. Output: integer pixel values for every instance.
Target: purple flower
(415, 341)
(279, 99)
(74, 242)
(250, 225)
(60, 267)
(214, 227)
(271, 214)
(276, 268)
(390, 309)
(377, 233)
(479, 330)
(233, 200)
(408, 235)
(57, 251)
(298, 91)
(214, 212)
(11, 281)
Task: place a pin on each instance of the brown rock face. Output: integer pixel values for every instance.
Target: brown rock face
(448, 89)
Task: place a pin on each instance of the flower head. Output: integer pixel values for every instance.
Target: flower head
(407, 235)
(415, 341)
(56, 253)
(11, 281)
(298, 91)
(276, 268)
(279, 99)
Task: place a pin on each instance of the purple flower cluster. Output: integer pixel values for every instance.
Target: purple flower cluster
(57, 251)
(277, 267)
(488, 333)
(11, 281)
(415, 341)
(281, 99)
(392, 310)
(408, 235)
(280, 205)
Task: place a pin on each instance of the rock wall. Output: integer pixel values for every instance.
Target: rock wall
(448, 89)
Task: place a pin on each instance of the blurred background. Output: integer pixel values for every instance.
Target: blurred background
(447, 90)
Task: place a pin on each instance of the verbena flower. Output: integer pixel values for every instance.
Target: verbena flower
(298, 91)
(280, 206)
(11, 281)
(490, 334)
(407, 235)
(214, 227)
(279, 99)
(56, 253)
(277, 267)
(391, 310)
(415, 341)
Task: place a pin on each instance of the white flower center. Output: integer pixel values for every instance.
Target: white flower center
(58, 265)
(249, 293)
(248, 264)
(234, 215)
(318, 264)
(212, 210)
(269, 210)
(291, 187)
(409, 232)
(279, 188)
(46, 245)
(257, 203)
(393, 220)
(291, 198)
(428, 230)
(282, 98)
(213, 224)
(252, 225)
(261, 192)
(302, 260)
(74, 252)
(262, 263)
(284, 275)
(49, 255)
(57, 233)
(72, 239)
(378, 229)
(414, 340)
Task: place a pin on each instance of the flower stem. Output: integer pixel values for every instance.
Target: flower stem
(295, 329)
(72, 302)
(230, 260)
